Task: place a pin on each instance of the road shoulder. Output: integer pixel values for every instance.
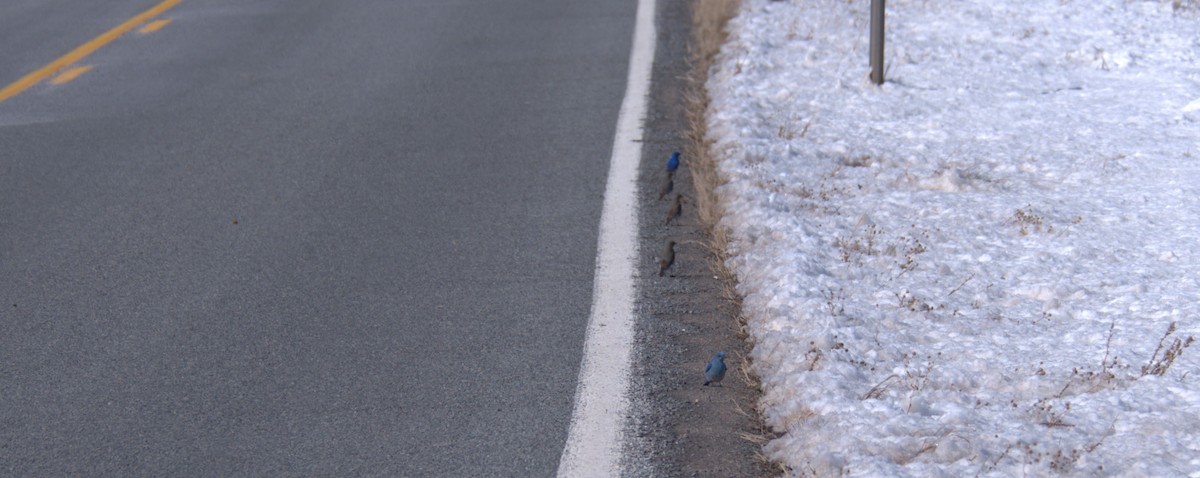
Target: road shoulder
(681, 427)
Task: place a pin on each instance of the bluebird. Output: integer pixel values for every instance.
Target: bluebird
(667, 258)
(675, 208)
(668, 184)
(715, 371)
(673, 163)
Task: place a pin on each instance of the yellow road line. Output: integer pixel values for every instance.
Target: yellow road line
(70, 74)
(82, 51)
(154, 26)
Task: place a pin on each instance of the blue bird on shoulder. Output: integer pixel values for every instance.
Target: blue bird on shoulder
(673, 163)
(715, 371)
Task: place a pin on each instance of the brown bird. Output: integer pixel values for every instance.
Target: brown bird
(675, 208)
(667, 258)
(667, 186)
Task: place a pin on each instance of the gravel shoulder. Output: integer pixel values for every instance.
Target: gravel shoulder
(680, 427)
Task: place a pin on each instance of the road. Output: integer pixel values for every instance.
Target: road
(301, 237)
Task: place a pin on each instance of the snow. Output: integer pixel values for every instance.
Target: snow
(975, 268)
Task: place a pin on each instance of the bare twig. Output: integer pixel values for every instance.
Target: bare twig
(877, 390)
(960, 286)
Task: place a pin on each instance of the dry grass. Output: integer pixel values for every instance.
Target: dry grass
(708, 22)
(708, 34)
(1158, 365)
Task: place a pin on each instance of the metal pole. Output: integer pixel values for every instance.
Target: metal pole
(877, 41)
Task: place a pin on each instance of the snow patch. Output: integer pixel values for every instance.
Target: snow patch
(975, 268)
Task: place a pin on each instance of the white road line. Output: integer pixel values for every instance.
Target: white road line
(594, 442)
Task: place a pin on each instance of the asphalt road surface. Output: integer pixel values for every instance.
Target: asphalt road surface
(301, 237)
